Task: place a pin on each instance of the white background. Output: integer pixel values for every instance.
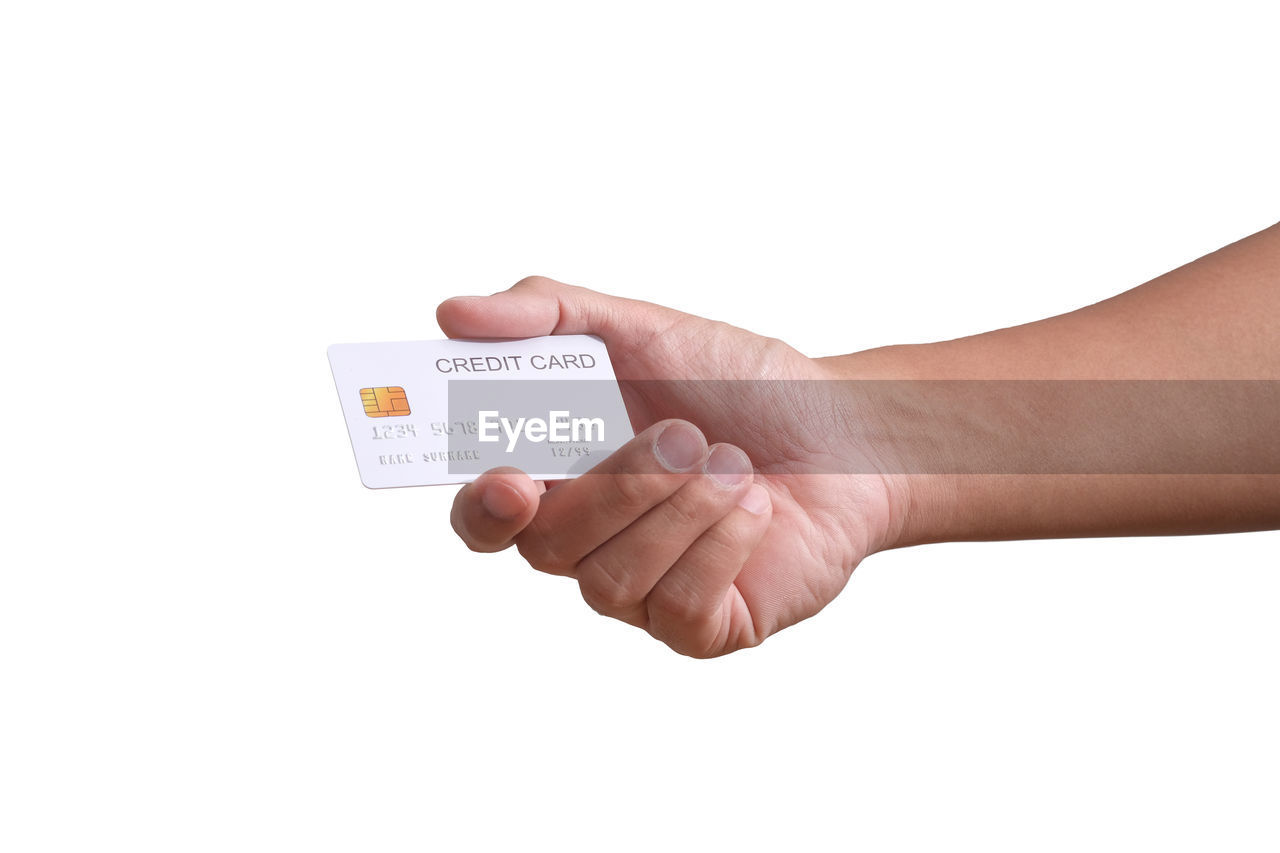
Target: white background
(213, 638)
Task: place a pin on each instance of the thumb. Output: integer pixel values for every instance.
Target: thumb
(540, 306)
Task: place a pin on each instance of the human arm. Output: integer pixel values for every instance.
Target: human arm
(867, 452)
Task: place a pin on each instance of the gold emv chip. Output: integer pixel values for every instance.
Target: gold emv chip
(385, 402)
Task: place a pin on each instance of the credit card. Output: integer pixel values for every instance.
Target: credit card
(425, 413)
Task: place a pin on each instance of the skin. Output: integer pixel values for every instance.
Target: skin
(712, 531)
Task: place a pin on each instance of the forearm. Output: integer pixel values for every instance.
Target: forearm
(1100, 455)
(1215, 318)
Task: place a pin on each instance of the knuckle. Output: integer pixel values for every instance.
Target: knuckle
(607, 581)
(692, 650)
(672, 608)
(686, 628)
(536, 546)
(605, 596)
(630, 492)
(720, 545)
(683, 510)
(772, 353)
(535, 282)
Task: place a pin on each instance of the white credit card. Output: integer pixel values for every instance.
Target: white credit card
(424, 413)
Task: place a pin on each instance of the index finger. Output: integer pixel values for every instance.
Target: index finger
(491, 510)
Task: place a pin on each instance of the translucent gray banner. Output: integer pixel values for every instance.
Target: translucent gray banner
(545, 427)
(932, 426)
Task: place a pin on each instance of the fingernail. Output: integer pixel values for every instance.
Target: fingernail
(755, 500)
(502, 501)
(680, 446)
(728, 466)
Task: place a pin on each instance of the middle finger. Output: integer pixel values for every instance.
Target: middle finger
(577, 516)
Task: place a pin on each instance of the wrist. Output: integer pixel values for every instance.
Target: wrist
(899, 361)
(888, 423)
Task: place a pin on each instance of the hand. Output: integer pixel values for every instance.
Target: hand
(675, 532)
